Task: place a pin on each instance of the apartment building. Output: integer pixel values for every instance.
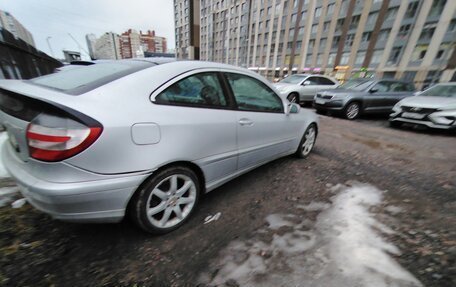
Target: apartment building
(9, 23)
(152, 43)
(187, 28)
(106, 47)
(410, 39)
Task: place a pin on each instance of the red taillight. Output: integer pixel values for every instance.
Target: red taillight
(57, 138)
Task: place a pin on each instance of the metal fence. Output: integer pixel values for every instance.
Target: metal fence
(19, 60)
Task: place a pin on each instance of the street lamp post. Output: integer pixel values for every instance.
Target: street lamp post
(49, 45)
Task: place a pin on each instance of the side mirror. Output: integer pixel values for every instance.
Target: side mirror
(306, 83)
(373, 90)
(293, 108)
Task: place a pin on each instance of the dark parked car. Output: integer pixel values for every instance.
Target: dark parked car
(363, 96)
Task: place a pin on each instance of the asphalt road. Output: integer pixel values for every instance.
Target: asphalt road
(414, 170)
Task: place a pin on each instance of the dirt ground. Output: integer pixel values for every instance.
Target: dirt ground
(417, 169)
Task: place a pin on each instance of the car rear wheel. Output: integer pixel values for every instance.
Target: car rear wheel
(307, 142)
(166, 200)
(352, 111)
(293, 98)
(395, 124)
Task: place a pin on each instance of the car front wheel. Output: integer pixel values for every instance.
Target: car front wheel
(166, 200)
(307, 142)
(352, 111)
(293, 98)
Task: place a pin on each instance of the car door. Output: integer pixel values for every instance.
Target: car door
(264, 131)
(308, 88)
(197, 123)
(375, 99)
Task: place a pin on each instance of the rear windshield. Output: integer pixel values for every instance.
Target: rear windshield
(83, 79)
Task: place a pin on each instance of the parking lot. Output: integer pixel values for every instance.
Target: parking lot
(389, 196)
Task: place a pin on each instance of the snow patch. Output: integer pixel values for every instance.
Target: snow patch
(344, 247)
(7, 194)
(3, 172)
(314, 206)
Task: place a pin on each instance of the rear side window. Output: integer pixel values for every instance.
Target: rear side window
(325, 81)
(383, 87)
(84, 79)
(200, 90)
(253, 95)
(400, 87)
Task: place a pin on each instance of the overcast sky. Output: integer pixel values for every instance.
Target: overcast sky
(58, 18)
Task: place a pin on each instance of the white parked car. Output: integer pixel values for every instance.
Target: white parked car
(434, 108)
(142, 137)
(301, 88)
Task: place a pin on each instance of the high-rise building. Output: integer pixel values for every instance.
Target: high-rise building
(108, 47)
(187, 25)
(130, 45)
(152, 43)
(91, 39)
(9, 23)
(412, 40)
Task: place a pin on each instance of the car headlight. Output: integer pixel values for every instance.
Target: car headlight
(397, 107)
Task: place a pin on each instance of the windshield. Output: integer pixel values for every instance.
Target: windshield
(85, 78)
(447, 91)
(358, 84)
(294, 79)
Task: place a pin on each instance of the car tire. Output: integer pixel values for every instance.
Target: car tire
(395, 125)
(352, 111)
(293, 98)
(166, 200)
(320, 111)
(307, 142)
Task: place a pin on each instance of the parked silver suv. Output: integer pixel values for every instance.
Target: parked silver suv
(362, 96)
(144, 138)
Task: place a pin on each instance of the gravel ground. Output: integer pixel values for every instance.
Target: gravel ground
(416, 169)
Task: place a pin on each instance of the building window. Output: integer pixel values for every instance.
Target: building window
(383, 35)
(403, 31)
(317, 12)
(314, 28)
(345, 58)
(360, 57)
(376, 56)
(428, 31)
(354, 22)
(335, 42)
(391, 13)
(394, 55)
(326, 26)
(452, 26)
(323, 43)
(330, 9)
(331, 59)
(419, 52)
(437, 7)
(349, 40)
(411, 9)
(366, 37)
(293, 18)
(372, 18)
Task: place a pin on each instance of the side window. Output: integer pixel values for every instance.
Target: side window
(253, 95)
(313, 81)
(382, 87)
(325, 81)
(399, 87)
(200, 90)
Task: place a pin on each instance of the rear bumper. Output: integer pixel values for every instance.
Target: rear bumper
(428, 124)
(103, 200)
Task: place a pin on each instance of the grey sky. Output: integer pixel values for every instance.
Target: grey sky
(57, 18)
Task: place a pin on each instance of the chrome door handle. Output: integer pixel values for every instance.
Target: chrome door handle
(245, 122)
